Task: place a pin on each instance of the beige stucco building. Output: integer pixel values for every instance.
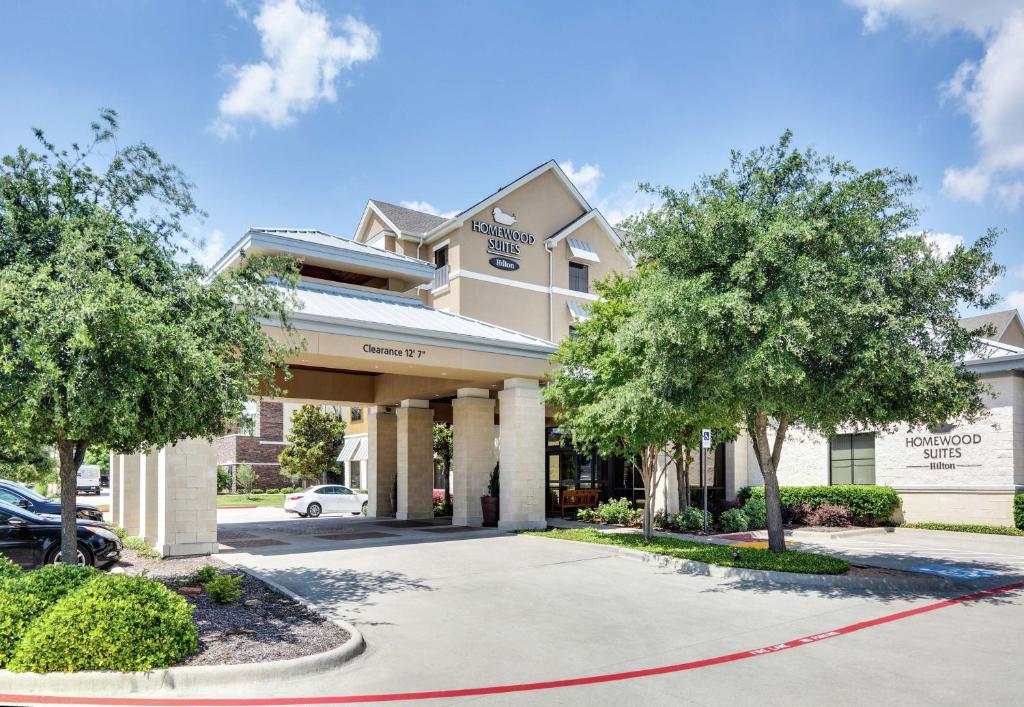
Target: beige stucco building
(418, 318)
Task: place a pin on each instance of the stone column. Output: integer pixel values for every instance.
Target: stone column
(521, 454)
(115, 486)
(473, 457)
(130, 482)
(668, 489)
(148, 496)
(186, 499)
(415, 462)
(382, 447)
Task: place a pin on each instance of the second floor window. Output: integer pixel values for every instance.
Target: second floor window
(441, 257)
(356, 415)
(579, 277)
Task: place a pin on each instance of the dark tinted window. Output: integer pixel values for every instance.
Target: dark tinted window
(579, 277)
(441, 257)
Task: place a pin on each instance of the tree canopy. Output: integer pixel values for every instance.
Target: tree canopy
(794, 289)
(109, 334)
(314, 443)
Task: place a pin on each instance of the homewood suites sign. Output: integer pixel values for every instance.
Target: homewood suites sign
(943, 450)
(503, 239)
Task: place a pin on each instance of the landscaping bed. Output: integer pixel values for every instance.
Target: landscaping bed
(261, 625)
(967, 528)
(723, 555)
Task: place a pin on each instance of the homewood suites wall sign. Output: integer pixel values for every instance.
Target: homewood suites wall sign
(504, 240)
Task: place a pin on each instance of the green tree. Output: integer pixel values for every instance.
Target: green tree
(245, 476)
(109, 335)
(99, 457)
(605, 395)
(791, 290)
(27, 464)
(314, 443)
(444, 450)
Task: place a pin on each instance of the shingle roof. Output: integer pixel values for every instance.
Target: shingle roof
(999, 320)
(393, 314)
(408, 221)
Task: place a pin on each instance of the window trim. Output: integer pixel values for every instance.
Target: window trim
(874, 464)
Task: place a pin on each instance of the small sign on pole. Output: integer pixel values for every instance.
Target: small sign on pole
(705, 439)
(705, 445)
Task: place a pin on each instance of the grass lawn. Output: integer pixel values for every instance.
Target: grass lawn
(967, 528)
(260, 499)
(724, 555)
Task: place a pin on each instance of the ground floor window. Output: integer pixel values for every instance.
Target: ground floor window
(852, 459)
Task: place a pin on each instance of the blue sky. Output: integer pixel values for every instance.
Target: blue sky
(293, 113)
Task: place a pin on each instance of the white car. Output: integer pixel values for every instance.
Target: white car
(327, 498)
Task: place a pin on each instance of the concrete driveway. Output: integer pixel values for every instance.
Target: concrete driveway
(454, 609)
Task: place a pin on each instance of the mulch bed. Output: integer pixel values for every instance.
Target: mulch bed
(261, 625)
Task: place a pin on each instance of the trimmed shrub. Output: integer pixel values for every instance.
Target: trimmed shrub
(618, 511)
(1018, 511)
(25, 597)
(734, 520)
(660, 520)
(831, 516)
(205, 573)
(257, 492)
(8, 569)
(223, 479)
(224, 588)
(586, 515)
(112, 623)
(757, 513)
(691, 518)
(800, 514)
(866, 503)
(273, 491)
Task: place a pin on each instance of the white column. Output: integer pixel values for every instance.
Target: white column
(736, 466)
(148, 496)
(130, 481)
(115, 486)
(187, 499)
(668, 489)
(415, 460)
(473, 454)
(521, 454)
(382, 446)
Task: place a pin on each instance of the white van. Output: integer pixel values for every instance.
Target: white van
(89, 479)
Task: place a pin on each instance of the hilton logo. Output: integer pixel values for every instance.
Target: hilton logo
(504, 264)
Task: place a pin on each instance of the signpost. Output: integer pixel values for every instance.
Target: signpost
(705, 445)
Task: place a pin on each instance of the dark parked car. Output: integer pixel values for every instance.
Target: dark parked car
(31, 540)
(26, 498)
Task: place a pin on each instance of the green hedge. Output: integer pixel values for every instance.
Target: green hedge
(1018, 511)
(113, 623)
(26, 597)
(865, 502)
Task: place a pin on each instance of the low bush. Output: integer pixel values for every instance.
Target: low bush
(224, 588)
(619, 512)
(831, 516)
(734, 520)
(223, 479)
(112, 623)
(8, 569)
(799, 514)
(967, 528)
(273, 491)
(757, 513)
(27, 596)
(586, 515)
(866, 503)
(691, 518)
(257, 492)
(205, 573)
(660, 520)
(140, 546)
(1018, 511)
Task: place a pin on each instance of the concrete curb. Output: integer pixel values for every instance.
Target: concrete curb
(782, 579)
(111, 683)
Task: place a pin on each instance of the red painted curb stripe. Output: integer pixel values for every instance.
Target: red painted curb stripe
(501, 689)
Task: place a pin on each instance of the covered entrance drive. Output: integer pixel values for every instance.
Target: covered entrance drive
(410, 365)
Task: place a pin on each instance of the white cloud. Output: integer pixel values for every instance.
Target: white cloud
(206, 250)
(1015, 299)
(585, 178)
(427, 208)
(989, 91)
(944, 243)
(303, 55)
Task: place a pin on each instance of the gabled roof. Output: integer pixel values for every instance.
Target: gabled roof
(387, 316)
(407, 221)
(602, 222)
(1001, 321)
(311, 243)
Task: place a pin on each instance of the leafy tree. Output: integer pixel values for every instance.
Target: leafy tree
(791, 290)
(99, 457)
(314, 443)
(108, 337)
(444, 450)
(605, 394)
(27, 464)
(245, 476)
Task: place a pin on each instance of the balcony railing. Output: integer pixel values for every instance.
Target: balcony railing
(440, 277)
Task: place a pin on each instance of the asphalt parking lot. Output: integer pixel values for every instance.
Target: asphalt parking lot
(451, 609)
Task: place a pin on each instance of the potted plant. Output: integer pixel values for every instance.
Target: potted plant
(489, 503)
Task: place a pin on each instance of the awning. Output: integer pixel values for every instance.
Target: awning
(581, 250)
(351, 449)
(363, 451)
(578, 312)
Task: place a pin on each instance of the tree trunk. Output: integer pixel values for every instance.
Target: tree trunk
(768, 461)
(648, 472)
(446, 478)
(71, 455)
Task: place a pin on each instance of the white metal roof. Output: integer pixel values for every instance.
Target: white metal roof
(366, 313)
(581, 250)
(350, 449)
(578, 311)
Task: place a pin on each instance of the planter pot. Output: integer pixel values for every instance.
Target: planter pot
(489, 507)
